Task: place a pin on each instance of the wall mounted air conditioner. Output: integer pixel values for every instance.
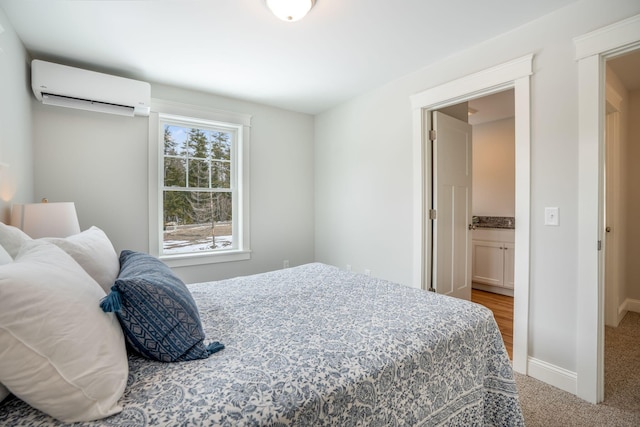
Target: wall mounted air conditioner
(64, 86)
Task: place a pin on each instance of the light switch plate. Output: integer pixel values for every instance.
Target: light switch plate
(551, 216)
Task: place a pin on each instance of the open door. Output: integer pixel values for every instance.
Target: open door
(612, 254)
(451, 206)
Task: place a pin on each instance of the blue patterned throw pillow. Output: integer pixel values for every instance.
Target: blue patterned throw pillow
(157, 313)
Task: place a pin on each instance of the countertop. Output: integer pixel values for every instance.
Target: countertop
(497, 222)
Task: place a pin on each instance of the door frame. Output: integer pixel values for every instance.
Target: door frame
(515, 75)
(592, 50)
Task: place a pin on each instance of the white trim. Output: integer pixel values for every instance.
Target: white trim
(199, 259)
(589, 327)
(629, 305)
(475, 85)
(494, 289)
(420, 271)
(554, 375)
(591, 50)
(610, 39)
(523, 223)
(514, 74)
(155, 164)
(208, 113)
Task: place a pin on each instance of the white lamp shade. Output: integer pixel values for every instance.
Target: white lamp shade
(290, 10)
(46, 219)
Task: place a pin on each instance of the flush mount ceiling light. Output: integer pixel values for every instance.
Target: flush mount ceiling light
(290, 10)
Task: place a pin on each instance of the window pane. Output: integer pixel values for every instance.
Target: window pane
(196, 221)
(175, 172)
(198, 143)
(220, 174)
(220, 146)
(175, 140)
(198, 173)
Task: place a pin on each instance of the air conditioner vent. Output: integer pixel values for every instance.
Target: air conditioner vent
(86, 104)
(65, 86)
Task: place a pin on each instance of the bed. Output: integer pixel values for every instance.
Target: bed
(314, 345)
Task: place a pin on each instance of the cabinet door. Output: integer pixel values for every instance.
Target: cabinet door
(488, 262)
(509, 249)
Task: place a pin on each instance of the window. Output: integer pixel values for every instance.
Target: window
(201, 186)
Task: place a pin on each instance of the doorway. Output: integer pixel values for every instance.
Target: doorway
(591, 51)
(621, 198)
(620, 204)
(511, 75)
(493, 236)
(481, 199)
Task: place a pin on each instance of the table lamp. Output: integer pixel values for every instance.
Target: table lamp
(46, 219)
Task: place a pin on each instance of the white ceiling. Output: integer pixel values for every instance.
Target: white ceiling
(237, 48)
(493, 107)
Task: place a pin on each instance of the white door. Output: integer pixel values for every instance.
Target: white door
(612, 264)
(452, 203)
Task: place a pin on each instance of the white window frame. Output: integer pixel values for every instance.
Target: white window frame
(162, 111)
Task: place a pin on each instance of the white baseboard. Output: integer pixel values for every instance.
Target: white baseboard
(494, 289)
(562, 378)
(553, 375)
(630, 305)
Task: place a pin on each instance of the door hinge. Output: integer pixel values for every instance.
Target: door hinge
(432, 214)
(432, 135)
(599, 245)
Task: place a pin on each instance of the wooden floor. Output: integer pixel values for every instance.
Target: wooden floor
(502, 307)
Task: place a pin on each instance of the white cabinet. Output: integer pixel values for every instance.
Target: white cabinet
(493, 258)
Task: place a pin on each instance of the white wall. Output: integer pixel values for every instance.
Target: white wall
(494, 168)
(16, 179)
(364, 179)
(99, 161)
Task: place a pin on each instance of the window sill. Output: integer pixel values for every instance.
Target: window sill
(185, 260)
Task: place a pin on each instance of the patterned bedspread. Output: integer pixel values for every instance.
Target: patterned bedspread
(313, 346)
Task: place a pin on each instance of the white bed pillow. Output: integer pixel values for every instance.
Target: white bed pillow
(12, 239)
(93, 250)
(60, 352)
(5, 258)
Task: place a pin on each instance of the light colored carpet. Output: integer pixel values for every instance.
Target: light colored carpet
(545, 405)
